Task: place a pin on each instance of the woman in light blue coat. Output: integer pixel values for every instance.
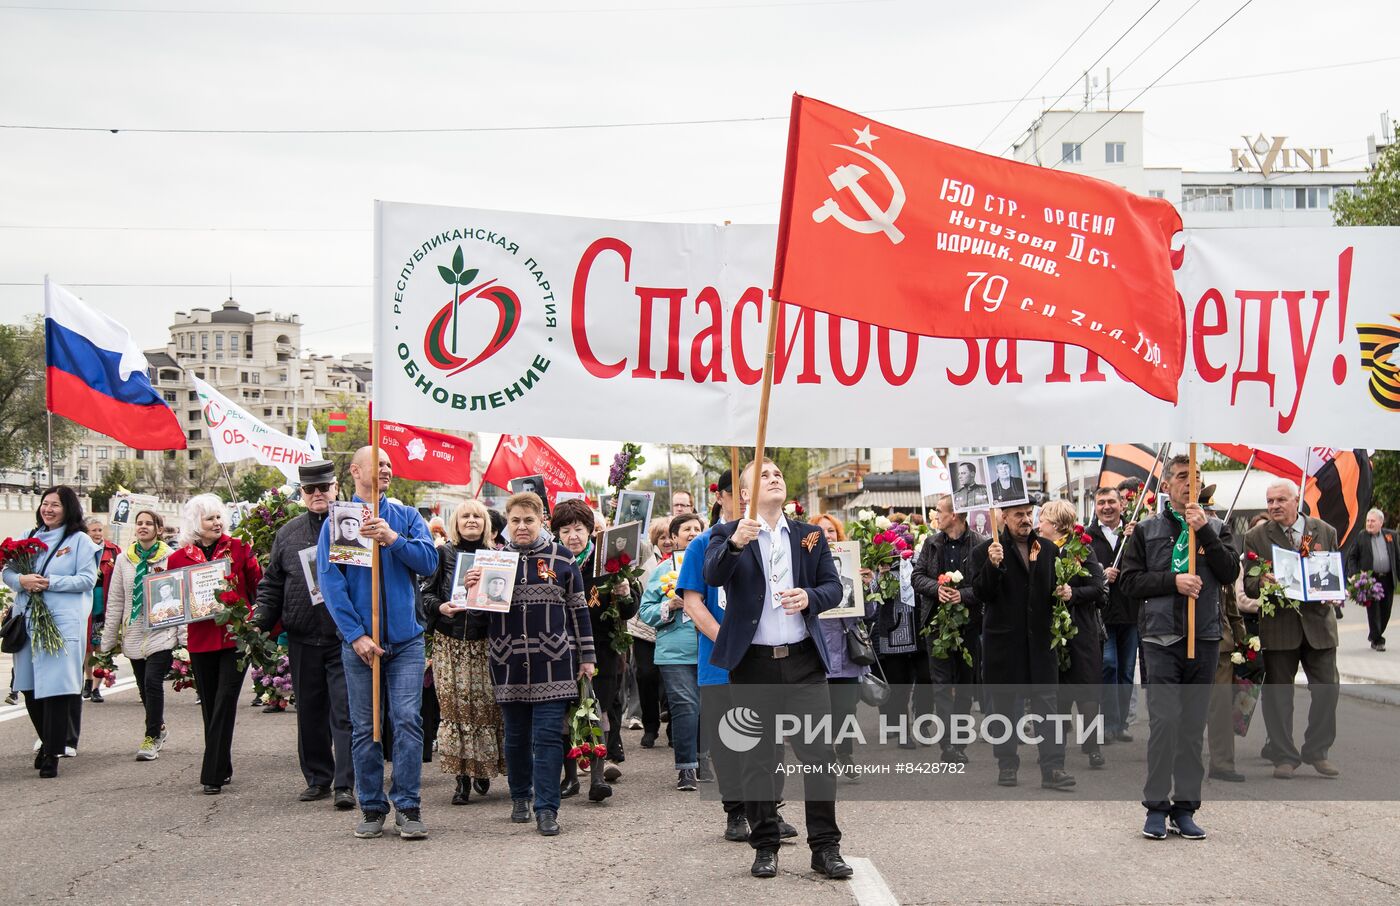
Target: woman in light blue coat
(66, 573)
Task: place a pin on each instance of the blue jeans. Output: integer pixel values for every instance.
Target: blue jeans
(1119, 668)
(534, 743)
(683, 690)
(401, 675)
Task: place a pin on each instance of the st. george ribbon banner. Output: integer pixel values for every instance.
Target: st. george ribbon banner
(915, 234)
(572, 327)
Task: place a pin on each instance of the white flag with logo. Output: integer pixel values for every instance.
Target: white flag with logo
(313, 440)
(236, 435)
(933, 475)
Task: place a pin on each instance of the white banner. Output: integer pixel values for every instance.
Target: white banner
(568, 327)
(236, 435)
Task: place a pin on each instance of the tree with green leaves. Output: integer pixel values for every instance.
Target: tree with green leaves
(251, 483)
(123, 475)
(794, 461)
(23, 407)
(1376, 199)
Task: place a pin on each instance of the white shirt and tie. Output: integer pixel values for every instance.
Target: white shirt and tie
(776, 627)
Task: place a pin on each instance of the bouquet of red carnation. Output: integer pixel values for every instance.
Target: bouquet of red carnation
(104, 668)
(20, 555)
(1074, 550)
(181, 674)
(585, 728)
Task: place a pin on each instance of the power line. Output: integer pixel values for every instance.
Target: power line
(163, 229)
(1153, 43)
(431, 12)
(1179, 61)
(652, 123)
(1019, 101)
(207, 285)
(1092, 65)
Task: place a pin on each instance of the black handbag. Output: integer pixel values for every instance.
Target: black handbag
(14, 632)
(874, 690)
(859, 649)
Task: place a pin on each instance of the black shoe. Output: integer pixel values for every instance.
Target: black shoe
(463, 794)
(648, 739)
(48, 766)
(568, 788)
(1096, 760)
(829, 862)
(786, 831)
(1122, 736)
(765, 864)
(314, 793)
(212, 790)
(97, 698)
(344, 800)
(1227, 776)
(271, 709)
(1006, 777)
(736, 829)
(1057, 780)
(598, 788)
(87, 689)
(615, 753)
(482, 785)
(547, 822)
(685, 780)
(519, 811)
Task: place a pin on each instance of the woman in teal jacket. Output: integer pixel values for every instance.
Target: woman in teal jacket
(677, 646)
(66, 573)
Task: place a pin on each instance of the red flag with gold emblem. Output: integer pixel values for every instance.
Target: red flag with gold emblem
(894, 229)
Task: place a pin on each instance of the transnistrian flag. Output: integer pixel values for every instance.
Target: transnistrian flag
(904, 232)
(336, 423)
(97, 376)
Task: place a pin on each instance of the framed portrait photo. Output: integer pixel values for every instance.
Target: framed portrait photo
(969, 483)
(531, 484)
(165, 599)
(348, 547)
(634, 506)
(618, 542)
(1006, 479)
(846, 556)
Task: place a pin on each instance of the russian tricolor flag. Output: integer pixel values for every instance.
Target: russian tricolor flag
(97, 376)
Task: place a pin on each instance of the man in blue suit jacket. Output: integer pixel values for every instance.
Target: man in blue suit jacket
(777, 576)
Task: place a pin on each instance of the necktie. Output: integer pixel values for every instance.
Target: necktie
(779, 563)
(1292, 541)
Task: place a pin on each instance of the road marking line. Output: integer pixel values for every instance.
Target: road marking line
(867, 886)
(17, 711)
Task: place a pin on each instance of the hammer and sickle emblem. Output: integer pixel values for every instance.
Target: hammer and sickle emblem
(878, 220)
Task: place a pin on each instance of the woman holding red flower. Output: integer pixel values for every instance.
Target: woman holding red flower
(213, 653)
(55, 594)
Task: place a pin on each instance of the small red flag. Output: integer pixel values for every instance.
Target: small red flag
(887, 227)
(421, 455)
(518, 455)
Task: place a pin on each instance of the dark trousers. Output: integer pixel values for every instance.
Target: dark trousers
(323, 715)
(75, 720)
(845, 698)
(534, 750)
(218, 680)
(1320, 667)
(803, 678)
(648, 685)
(954, 685)
(51, 717)
(1220, 725)
(715, 702)
(910, 677)
(150, 674)
(1033, 700)
(1178, 701)
(1378, 614)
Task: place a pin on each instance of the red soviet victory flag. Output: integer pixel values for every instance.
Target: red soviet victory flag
(891, 228)
(421, 455)
(518, 455)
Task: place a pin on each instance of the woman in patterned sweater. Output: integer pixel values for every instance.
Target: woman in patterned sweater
(538, 650)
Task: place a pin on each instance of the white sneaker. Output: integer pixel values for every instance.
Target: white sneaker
(149, 751)
(634, 723)
(38, 744)
(164, 735)
(70, 752)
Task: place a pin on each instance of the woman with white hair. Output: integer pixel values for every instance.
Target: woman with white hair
(213, 654)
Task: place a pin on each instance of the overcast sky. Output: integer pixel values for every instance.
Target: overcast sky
(288, 217)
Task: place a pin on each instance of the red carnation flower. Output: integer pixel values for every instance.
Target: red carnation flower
(1251, 555)
(612, 566)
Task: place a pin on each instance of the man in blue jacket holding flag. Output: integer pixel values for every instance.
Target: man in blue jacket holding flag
(405, 552)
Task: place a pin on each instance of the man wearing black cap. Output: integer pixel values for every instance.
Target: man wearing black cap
(318, 676)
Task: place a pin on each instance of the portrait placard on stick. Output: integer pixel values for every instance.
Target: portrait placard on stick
(348, 548)
(497, 586)
(846, 556)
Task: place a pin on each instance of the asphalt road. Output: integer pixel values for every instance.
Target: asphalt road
(113, 830)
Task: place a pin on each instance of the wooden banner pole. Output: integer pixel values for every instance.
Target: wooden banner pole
(763, 406)
(1192, 494)
(733, 482)
(374, 578)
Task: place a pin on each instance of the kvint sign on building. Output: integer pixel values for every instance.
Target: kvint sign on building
(1272, 155)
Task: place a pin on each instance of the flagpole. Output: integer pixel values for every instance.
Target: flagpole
(1193, 492)
(1248, 466)
(1142, 498)
(734, 482)
(374, 575)
(232, 494)
(50, 443)
(763, 403)
(1303, 488)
